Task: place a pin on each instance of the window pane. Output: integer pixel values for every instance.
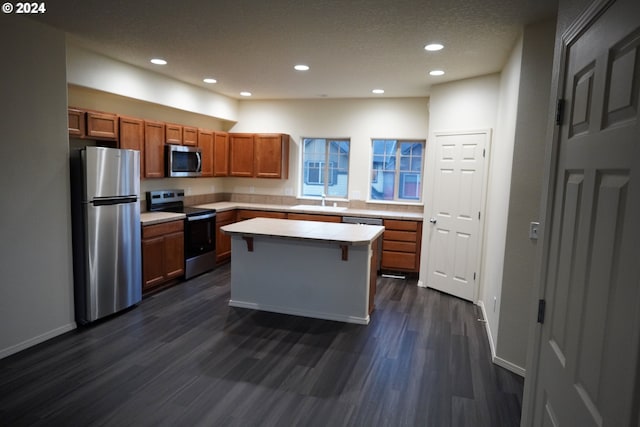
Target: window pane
(313, 161)
(338, 169)
(391, 158)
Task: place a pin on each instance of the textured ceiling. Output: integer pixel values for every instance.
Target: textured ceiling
(352, 46)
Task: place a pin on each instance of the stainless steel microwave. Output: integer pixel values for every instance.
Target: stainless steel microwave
(183, 161)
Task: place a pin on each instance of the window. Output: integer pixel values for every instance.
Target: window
(396, 170)
(325, 167)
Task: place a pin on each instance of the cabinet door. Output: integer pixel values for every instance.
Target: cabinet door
(271, 156)
(153, 149)
(76, 122)
(173, 134)
(223, 241)
(205, 142)
(189, 136)
(241, 154)
(221, 154)
(314, 217)
(132, 137)
(102, 126)
(152, 262)
(174, 255)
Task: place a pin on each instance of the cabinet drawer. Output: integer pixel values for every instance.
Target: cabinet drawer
(312, 217)
(149, 231)
(392, 224)
(248, 214)
(403, 236)
(398, 260)
(225, 216)
(399, 246)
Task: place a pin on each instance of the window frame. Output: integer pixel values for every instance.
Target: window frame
(399, 174)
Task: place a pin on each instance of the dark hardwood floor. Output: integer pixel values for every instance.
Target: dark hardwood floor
(183, 357)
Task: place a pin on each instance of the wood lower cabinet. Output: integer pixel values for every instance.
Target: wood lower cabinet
(153, 149)
(401, 243)
(223, 241)
(314, 217)
(162, 253)
(102, 126)
(249, 213)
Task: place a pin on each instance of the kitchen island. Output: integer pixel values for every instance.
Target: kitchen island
(304, 268)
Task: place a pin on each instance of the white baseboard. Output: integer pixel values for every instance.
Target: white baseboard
(518, 370)
(304, 313)
(5, 352)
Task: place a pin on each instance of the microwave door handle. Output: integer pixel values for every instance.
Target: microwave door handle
(199, 156)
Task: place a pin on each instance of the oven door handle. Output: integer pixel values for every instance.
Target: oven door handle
(201, 217)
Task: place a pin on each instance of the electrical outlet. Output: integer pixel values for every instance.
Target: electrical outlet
(533, 230)
(252, 189)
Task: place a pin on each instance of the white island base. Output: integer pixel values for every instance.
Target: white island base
(304, 268)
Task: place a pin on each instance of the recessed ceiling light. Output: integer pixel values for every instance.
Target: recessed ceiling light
(378, 91)
(209, 80)
(301, 67)
(433, 47)
(245, 93)
(436, 73)
(158, 61)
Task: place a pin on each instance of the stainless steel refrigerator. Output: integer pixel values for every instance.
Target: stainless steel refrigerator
(105, 191)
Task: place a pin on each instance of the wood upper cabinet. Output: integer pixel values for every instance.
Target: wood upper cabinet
(77, 122)
(401, 243)
(205, 143)
(241, 155)
(132, 137)
(271, 156)
(153, 149)
(173, 134)
(102, 126)
(221, 154)
(162, 253)
(189, 136)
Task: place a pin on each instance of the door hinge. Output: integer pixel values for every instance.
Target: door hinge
(474, 275)
(559, 112)
(478, 214)
(541, 309)
(484, 152)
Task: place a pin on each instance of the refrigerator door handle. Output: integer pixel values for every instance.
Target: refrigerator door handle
(114, 200)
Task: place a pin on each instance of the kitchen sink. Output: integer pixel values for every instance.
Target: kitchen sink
(316, 208)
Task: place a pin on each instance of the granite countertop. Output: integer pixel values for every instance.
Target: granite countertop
(314, 209)
(150, 218)
(352, 234)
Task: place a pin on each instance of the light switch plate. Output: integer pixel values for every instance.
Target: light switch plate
(533, 230)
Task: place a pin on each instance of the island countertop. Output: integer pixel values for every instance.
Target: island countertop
(351, 234)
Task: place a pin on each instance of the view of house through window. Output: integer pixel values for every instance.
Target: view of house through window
(396, 170)
(325, 167)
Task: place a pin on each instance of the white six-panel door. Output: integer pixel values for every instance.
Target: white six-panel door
(587, 359)
(455, 225)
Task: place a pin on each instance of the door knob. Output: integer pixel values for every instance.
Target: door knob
(432, 220)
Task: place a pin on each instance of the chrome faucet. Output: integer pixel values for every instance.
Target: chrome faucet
(324, 197)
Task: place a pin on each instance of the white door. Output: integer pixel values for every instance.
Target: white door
(587, 357)
(456, 218)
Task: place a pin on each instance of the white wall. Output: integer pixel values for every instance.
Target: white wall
(88, 69)
(358, 119)
(526, 192)
(36, 294)
(499, 192)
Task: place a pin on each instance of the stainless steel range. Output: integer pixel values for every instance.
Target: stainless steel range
(199, 229)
